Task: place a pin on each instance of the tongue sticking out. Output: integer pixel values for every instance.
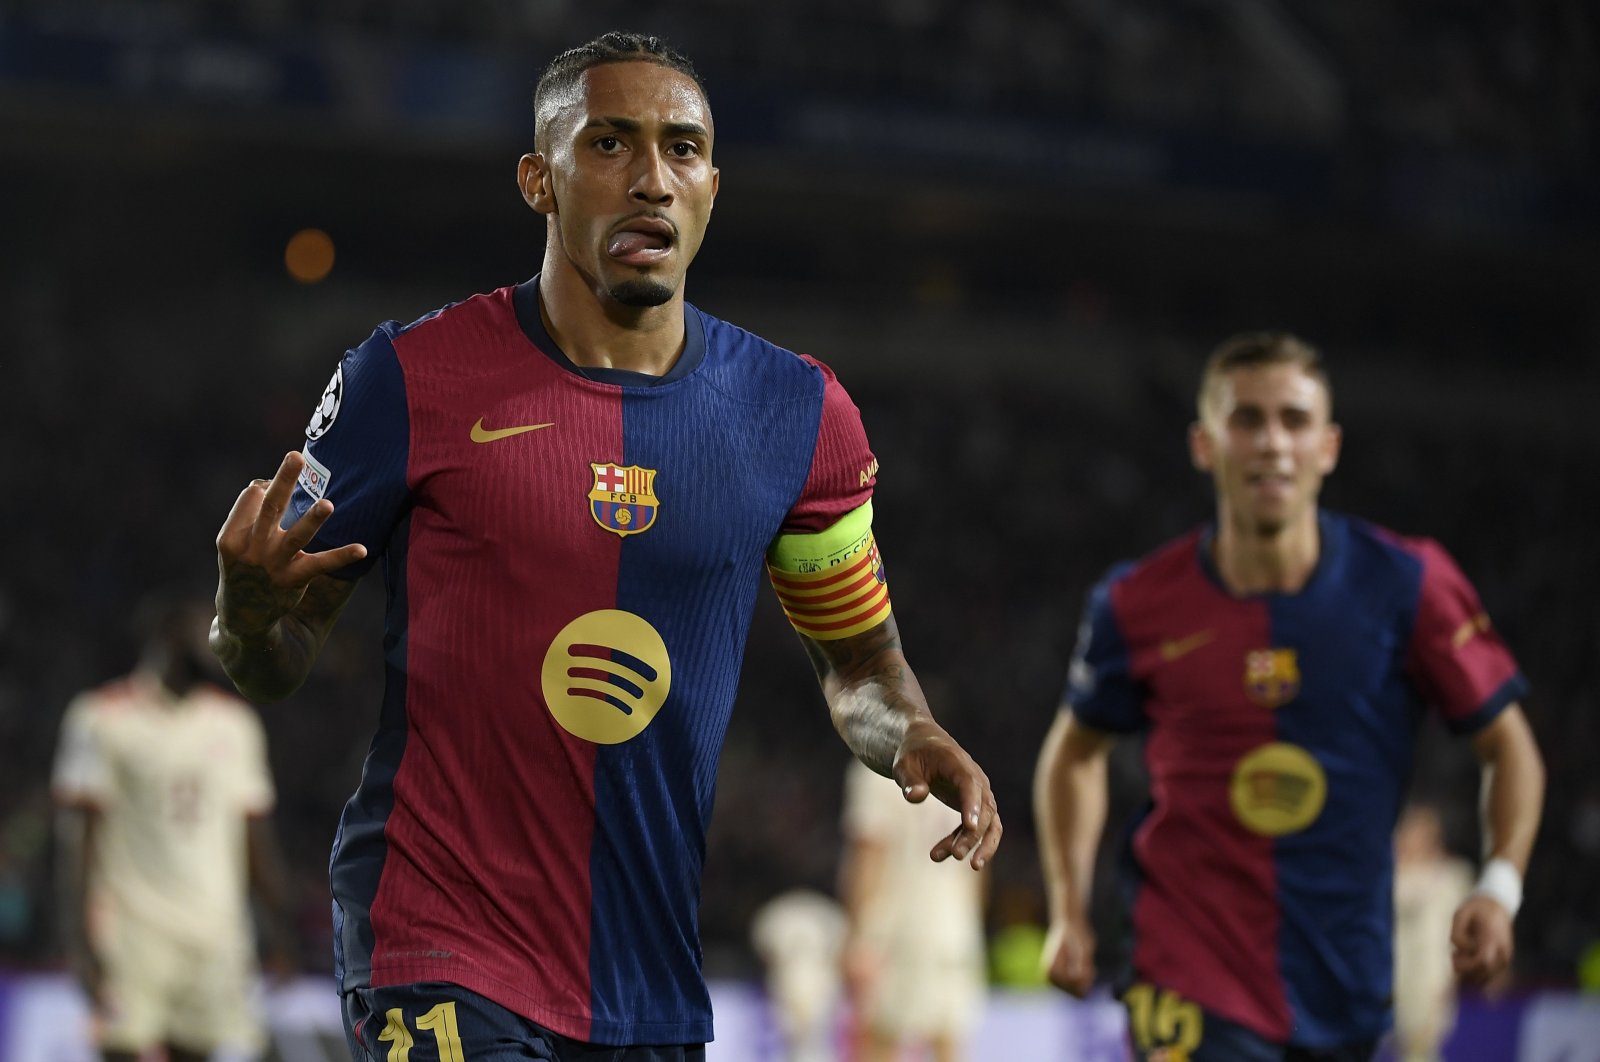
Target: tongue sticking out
(624, 244)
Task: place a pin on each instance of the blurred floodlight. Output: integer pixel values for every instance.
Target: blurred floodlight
(309, 255)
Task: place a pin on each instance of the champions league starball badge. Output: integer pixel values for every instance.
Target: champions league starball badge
(327, 406)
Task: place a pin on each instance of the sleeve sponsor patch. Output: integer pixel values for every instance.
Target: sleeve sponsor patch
(315, 476)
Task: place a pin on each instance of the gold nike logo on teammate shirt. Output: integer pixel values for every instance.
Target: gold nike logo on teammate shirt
(480, 434)
(1173, 648)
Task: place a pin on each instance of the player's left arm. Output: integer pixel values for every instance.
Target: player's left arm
(1467, 672)
(1512, 801)
(825, 567)
(862, 868)
(880, 710)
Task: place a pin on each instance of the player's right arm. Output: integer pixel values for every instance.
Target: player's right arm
(1069, 804)
(1102, 699)
(76, 825)
(80, 783)
(276, 603)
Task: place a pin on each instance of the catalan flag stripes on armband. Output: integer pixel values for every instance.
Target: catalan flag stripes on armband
(831, 584)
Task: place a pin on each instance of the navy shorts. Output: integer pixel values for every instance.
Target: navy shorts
(1165, 1027)
(439, 1022)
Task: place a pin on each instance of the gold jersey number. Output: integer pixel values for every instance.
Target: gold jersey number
(1160, 1018)
(441, 1021)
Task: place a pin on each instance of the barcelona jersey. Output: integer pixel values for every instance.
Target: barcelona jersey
(571, 557)
(1278, 735)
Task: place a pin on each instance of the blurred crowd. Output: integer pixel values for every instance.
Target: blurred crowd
(1496, 78)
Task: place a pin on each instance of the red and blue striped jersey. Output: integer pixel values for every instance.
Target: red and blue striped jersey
(571, 557)
(1278, 735)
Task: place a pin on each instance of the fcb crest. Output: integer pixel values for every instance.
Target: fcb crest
(623, 498)
(1271, 676)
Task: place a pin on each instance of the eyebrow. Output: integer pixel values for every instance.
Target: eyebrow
(633, 125)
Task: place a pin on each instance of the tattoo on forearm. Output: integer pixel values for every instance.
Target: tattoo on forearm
(871, 691)
(851, 658)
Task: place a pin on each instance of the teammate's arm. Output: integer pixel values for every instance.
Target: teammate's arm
(275, 602)
(880, 711)
(1512, 800)
(1069, 806)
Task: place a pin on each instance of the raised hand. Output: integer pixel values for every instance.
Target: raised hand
(930, 761)
(262, 569)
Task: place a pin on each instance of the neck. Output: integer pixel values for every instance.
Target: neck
(174, 676)
(1253, 560)
(596, 332)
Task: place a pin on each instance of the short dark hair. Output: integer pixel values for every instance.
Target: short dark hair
(1254, 350)
(565, 69)
(166, 614)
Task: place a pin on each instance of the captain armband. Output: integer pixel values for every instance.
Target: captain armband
(831, 583)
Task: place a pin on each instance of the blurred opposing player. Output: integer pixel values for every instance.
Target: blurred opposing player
(576, 484)
(164, 790)
(1276, 663)
(914, 957)
(1429, 884)
(799, 936)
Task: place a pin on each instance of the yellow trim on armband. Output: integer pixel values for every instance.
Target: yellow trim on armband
(831, 583)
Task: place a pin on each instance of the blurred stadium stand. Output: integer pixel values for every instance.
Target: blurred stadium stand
(1015, 228)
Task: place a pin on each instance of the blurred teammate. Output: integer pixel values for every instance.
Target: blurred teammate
(164, 789)
(1429, 884)
(1275, 662)
(914, 959)
(575, 484)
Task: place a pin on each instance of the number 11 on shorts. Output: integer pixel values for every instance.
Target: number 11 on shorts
(441, 1021)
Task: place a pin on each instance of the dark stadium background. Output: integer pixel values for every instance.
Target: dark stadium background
(1014, 228)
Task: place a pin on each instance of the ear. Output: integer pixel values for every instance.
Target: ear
(1202, 449)
(1332, 440)
(716, 182)
(533, 179)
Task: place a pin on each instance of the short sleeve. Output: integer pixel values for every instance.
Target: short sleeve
(81, 775)
(843, 469)
(356, 452)
(1100, 690)
(1460, 664)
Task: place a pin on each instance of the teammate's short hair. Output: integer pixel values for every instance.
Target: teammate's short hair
(1254, 350)
(615, 47)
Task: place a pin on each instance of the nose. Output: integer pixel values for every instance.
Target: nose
(1273, 436)
(651, 183)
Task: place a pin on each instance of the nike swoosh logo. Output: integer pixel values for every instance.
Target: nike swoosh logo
(1174, 648)
(480, 434)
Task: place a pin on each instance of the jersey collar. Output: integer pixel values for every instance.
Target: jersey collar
(1331, 533)
(526, 300)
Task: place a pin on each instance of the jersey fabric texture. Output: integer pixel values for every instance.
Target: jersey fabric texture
(571, 557)
(1278, 736)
